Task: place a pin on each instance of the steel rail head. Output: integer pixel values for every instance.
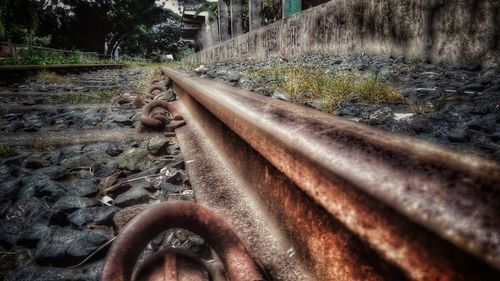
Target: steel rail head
(133, 238)
(452, 194)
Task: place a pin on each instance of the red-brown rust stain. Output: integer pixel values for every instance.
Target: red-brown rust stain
(424, 256)
(189, 271)
(170, 267)
(335, 252)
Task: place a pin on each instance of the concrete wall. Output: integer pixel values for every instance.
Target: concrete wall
(457, 32)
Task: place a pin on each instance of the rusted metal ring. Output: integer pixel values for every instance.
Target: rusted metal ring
(120, 261)
(153, 122)
(157, 80)
(149, 120)
(156, 89)
(146, 111)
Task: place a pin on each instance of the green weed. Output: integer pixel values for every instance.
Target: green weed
(46, 57)
(52, 77)
(304, 85)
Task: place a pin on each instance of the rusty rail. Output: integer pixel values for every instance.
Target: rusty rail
(312, 196)
(355, 202)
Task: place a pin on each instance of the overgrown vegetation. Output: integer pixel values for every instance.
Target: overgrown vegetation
(51, 77)
(161, 39)
(312, 85)
(131, 28)
(46, 57)
(6, 150)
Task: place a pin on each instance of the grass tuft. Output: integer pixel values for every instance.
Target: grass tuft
(304, 85)
(6, 150)
(51, 77)
(40, 144)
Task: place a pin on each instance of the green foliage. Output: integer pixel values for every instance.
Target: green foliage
(89, 26)
(18, 14)
(186, 51)
(85, 25)
(46, 57)
(42, 41)
(155, 41)
(304, 85)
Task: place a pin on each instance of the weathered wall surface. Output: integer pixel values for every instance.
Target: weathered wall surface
(457, 32)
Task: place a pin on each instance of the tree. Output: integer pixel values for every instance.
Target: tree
(127, 15)
(211, 8)
(94, 25)
(164, 38)
(17, 16)
(100, 25)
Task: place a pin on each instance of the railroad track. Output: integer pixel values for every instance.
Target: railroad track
(315, 197)
(283, 192)
(60, 139)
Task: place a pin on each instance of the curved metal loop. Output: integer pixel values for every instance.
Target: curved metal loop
(148, 118)
(120, 261)
(156, 89)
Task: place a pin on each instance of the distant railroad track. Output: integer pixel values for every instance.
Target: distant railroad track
(314, 196)
(9, 72)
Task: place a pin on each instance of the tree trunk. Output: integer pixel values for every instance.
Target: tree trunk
(115, 42)
(30, 44)
(112, 44)
(11, 48)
